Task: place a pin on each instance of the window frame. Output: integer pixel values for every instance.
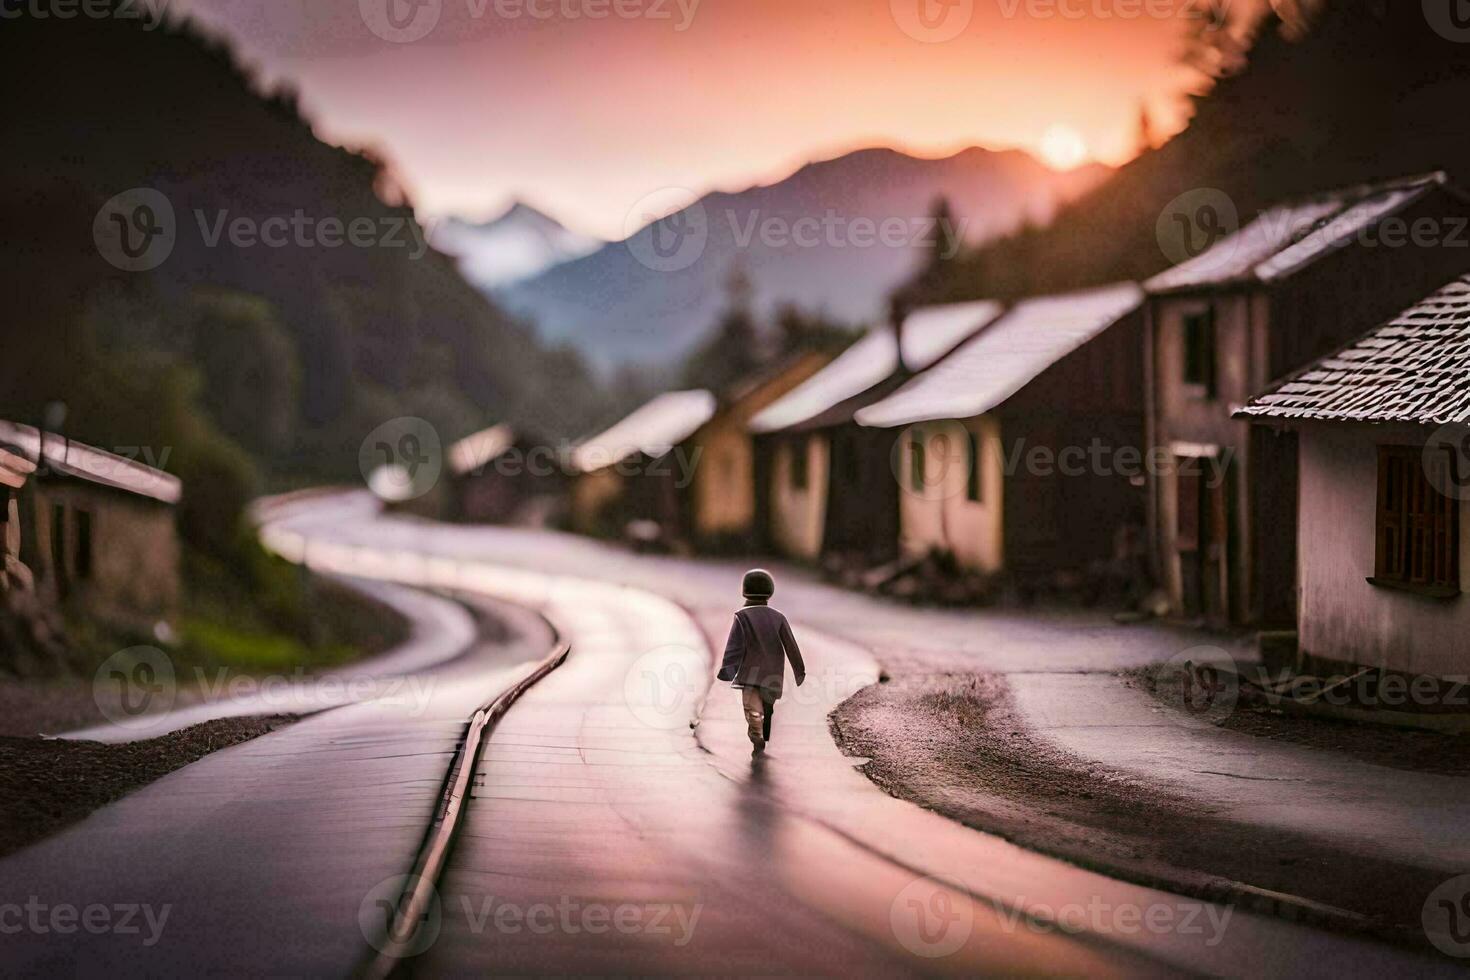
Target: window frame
(1199, 344)
(1416, 527)
(975, 477)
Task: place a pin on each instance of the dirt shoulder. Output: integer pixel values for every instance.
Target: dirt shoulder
(47, 784)
(956, 745)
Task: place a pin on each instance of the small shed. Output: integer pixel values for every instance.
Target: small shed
(827, 483)
(87, 528)
(1384, 473)
(1022, 451)
(634, 474)
(500, 475)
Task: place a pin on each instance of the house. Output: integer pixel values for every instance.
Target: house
(1383, 428)
(827, 488)
(633, 474)
(87, 529)
(502, 476)
(1022, 451)
(1303, 278)
(684, 463)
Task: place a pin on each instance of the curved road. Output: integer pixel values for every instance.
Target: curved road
(619, 826)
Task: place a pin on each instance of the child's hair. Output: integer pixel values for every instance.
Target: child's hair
(758, 584)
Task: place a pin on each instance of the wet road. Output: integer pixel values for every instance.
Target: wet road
(608, 834)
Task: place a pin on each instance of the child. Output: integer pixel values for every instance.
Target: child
(755, 656)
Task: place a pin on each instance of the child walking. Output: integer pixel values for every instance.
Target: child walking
(760, 643)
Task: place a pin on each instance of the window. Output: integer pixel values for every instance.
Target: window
(82, 552)
(916, 460)
(799, 464)
(973, 488)
(1418, 528)
(58, 548)
(1199, 349)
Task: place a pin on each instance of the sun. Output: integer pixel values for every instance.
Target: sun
(1062, 147)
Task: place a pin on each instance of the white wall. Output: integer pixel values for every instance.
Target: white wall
(1343, 617)
(939, 514)
(798, 516)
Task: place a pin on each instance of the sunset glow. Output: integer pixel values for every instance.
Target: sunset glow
(1063, 148)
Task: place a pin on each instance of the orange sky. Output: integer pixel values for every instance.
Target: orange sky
(583, 117)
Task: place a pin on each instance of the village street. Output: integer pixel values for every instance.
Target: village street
(597, 800)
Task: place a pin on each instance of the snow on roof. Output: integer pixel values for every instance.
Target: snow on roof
(653, 430)
(928, 334)
(1415, 368)
(474, 451)
(1002, 359)
(1289, 237)
(78, 460)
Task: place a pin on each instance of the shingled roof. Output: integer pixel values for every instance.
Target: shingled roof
(1416, 368)
(1291, 236)
(67, 457)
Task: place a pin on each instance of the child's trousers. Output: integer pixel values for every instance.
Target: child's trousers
(758, 711)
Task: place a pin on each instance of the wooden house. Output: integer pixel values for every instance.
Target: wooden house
(824, 479)
(680, 469)
(501, 476)
(1383, 538)
(1304, 277)
(1021, 452)
(87, 529)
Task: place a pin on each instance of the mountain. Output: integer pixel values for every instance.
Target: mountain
(835, 237)
(517, 245)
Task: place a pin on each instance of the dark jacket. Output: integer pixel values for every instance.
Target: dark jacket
(756, 653)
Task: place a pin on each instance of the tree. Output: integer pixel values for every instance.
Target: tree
(736, 349)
